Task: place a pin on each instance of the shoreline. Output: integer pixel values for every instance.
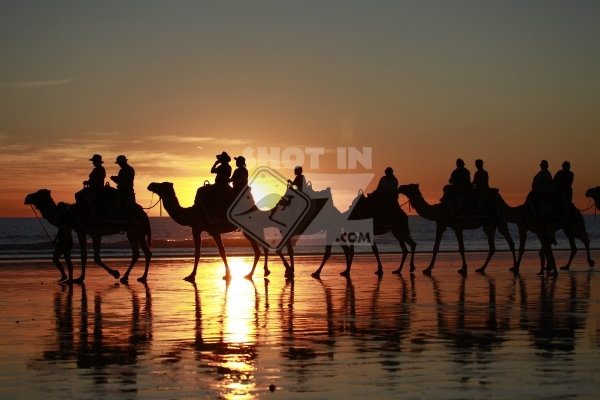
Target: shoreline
(162, 257)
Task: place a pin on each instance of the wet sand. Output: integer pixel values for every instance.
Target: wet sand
(411, 336)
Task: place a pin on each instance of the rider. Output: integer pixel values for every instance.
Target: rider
(124, 181)
(563, 182)
(223, 171)
(94, 184)
(480, 183)
(388, 184)
(299, 180)
(461, 180)
(542, 183)
(239, 179)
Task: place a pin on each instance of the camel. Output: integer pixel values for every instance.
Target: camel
(443, 219)
(393, 220)
(524, 217)
(196, 219)
(594, 193)
(137, 235)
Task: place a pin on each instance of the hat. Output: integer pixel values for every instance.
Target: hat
(97, 158)
(223, 157)
(121, 159)
(241, 158)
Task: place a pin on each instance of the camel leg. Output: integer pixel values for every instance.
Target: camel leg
(586, 242)
(284, 261)
(197, 252)
(511, 243)
(542, 261)
(267, 272)
(550, 260)
(135, 253)
(223, 254)
(404, 255)
(376, 253)
(81, 237)
(256, 250)
(97, 241)
(290, 250)
(522, 241)
(573, 246)
(403, 238)
(461, 250)
(439, 232)
(56, 260)
(147, 256)
(490, 232)
(317, 273)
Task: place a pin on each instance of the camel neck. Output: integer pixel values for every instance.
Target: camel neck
(50, 214)
(514, 215)
(424, 209)
(183, 216)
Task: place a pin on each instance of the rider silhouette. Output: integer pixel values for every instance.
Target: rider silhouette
(461, 180)
(480, 183)
(563, 182)
(239, 179)
(124, 181)
(542, 183)
(93, 186)
(299, 180)
(388, 184)
(223, 171)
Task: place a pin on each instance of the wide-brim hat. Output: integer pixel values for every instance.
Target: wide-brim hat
(120, 159)
(97, 158)
(223, 157)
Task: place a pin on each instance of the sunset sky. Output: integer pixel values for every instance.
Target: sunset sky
(421, 83)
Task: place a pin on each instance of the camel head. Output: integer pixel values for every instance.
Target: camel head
(39, 199)
(162, 189)
(593, 193)
(409, 190)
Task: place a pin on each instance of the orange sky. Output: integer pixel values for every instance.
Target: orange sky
(171, 85)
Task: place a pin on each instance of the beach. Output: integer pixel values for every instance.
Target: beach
(494, 335)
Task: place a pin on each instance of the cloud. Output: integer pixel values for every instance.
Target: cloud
(101, 134)
(32, 84)
(193, 139)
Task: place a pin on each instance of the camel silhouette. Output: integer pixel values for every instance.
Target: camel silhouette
(526, 219)
(442, 216)
(594, 193)
(137, 234)
(197, 220)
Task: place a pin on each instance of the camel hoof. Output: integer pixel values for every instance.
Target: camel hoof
(267, 273)
(345, 273)
(315, 275)
(427, 272)
(480, 270)
(565, 268)
(191, 278)
(78, 281)
(397, 271)
(412, 268)
(142, 279)
(591, 263)
(227, 278)
(249, 277)
(462, 271)
(115, 273)
(124, 280)
(513, 269)
(540, 273)
(553, 274)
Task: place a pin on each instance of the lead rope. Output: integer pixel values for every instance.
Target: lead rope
(43, 227)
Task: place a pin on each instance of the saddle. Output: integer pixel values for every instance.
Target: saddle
(104, 201)
(482, 203)
(213, 201)
(550, 207)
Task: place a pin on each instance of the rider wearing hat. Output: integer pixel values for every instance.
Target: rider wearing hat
(239, 179)
(223, 171)
(93, 186)
(461, 180)
(542, 183)
(124, 181)
(563, 182)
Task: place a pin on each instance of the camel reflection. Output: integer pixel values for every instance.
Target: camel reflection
(102, 342)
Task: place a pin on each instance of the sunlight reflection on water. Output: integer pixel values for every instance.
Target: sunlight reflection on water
(443, 336)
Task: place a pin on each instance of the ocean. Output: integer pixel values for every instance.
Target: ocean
(24, 238)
